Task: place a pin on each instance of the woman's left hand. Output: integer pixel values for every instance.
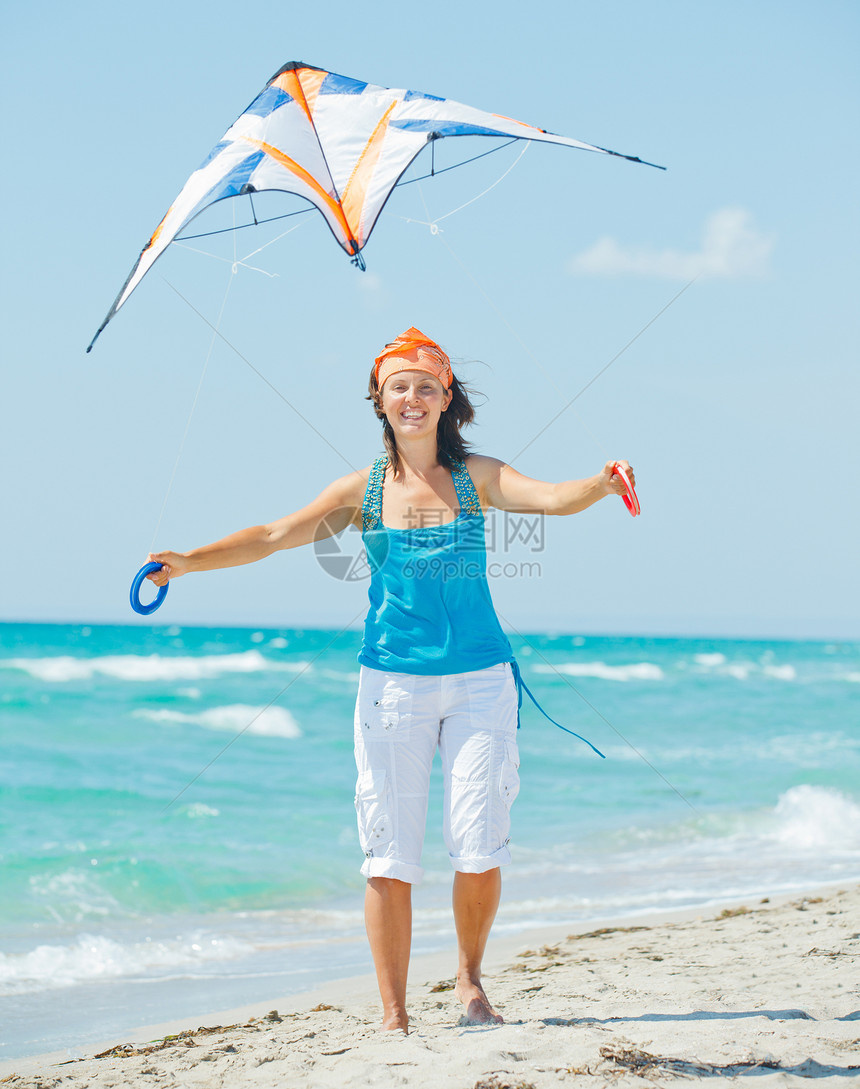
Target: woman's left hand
(613, 482)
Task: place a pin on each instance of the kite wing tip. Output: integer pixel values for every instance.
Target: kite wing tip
(630, 158)
(636, 159)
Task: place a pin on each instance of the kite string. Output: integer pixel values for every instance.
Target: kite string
(569, 404)
(520, 340)
(262, 710)
(193, 407)
(227, 260)
(565, 407)
(243, 261)
(271, 242)
(432, 222)
(606, 366)
(439, 219)
(548, 665)
(259, 374)
(235, 236)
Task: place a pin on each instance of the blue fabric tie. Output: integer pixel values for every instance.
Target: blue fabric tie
(523, 687)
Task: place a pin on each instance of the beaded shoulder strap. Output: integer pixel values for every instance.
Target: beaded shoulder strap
(371, 507)
(467, 496)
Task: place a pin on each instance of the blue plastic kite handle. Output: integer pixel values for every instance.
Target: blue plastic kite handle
(134, 594)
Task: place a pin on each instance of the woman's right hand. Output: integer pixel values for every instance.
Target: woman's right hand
(173, 564)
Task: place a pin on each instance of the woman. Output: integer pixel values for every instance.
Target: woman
(436, 667)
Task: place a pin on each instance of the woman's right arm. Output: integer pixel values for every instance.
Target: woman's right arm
(332, 510)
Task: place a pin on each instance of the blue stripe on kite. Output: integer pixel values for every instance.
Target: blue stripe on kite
(215, 152)
(420, 94)
(231, 184)
(446, 128)
(333, 84)
(268, 101)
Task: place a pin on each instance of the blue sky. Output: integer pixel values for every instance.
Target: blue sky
(737, 406)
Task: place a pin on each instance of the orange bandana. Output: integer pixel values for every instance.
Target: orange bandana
(431, 358)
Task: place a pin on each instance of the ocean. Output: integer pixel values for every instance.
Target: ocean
(177, 831)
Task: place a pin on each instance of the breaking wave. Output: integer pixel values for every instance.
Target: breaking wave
(152, 667)
(639, 671)
(236, 718)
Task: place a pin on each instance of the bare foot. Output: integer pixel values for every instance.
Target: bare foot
(478, 1008)
(396, 1021)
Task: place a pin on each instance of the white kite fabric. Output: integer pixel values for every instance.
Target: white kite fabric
(339, 143)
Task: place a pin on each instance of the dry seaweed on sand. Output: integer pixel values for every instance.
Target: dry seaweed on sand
(730, 913)
(605, 931)
(636, 1061)
(494, 1082)
(183, 1039)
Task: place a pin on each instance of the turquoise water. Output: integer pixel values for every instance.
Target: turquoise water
(177, 829)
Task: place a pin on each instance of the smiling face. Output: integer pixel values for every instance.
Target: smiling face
(413, 402)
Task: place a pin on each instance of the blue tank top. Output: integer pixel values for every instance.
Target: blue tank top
(430, 607)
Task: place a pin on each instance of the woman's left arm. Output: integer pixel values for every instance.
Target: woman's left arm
(501, 486)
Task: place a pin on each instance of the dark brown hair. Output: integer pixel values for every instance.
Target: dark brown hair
(451, 447)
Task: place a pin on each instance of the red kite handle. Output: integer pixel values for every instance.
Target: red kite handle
(631, 499)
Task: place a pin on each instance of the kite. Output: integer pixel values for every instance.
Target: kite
(341, 144)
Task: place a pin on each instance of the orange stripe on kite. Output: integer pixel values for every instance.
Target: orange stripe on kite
(290, 164)
(159, 229)
(311, 80)
(289, 82)
(355, 193)
(514, 121)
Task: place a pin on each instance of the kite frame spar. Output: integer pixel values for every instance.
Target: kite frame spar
(347, 146)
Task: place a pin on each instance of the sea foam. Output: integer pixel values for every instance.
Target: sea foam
(743, 669)
(638, 671)
(816, 817)
(235, 718)
(98, 957)
(153, 667)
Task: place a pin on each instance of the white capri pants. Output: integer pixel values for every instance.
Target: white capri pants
(400, 719)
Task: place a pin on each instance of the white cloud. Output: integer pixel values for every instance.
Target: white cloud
(370, 282)
(373, 294)
(732, 247)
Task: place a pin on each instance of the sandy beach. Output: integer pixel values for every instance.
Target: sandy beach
(763, 993)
